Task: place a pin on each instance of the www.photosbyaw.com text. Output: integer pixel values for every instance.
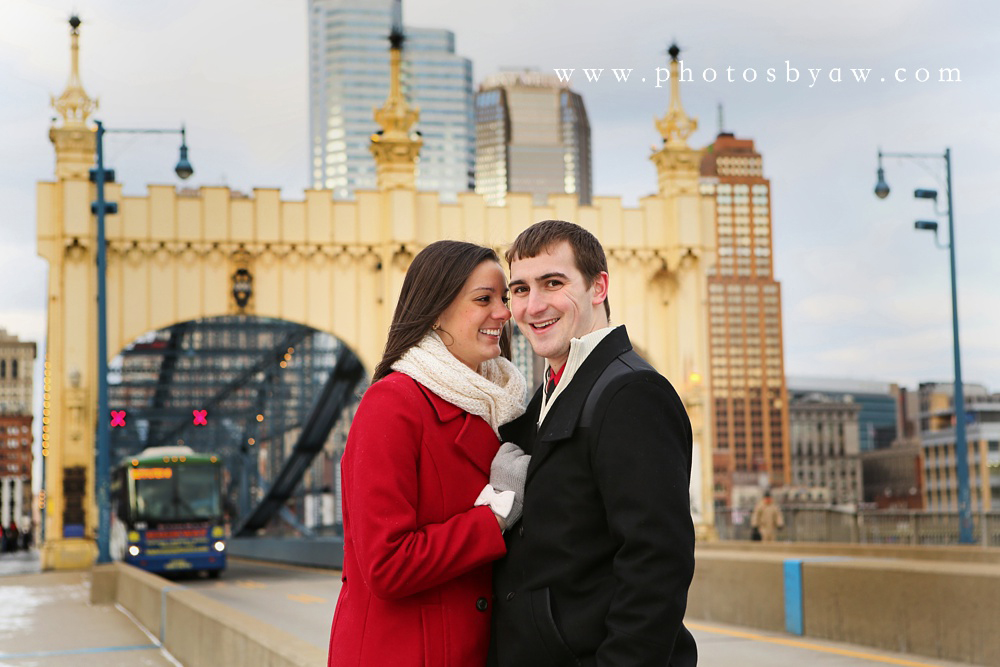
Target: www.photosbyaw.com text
(810, 76)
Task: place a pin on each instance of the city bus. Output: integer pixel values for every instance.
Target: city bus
(166, 506)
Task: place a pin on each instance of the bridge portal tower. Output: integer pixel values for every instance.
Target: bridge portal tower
(335, 266)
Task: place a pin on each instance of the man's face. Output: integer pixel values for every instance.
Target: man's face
(552, 303)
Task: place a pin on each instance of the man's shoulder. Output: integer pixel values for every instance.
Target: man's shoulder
(629, 367)
(628, 370)
(624, 364)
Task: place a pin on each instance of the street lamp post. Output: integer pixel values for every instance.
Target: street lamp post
(961, 446)
(100, 208)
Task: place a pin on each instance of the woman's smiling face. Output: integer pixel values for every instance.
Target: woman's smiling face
(470, 326)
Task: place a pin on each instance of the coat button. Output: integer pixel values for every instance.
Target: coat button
(520, 530)
(482, 604)
(510, 596)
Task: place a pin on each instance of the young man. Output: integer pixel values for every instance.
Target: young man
(597, 571)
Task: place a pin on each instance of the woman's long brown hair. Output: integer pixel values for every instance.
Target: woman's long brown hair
(432, 282)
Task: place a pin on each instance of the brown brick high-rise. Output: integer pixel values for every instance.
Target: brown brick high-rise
(746, 350)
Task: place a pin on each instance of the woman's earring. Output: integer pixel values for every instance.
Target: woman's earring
(435, 327)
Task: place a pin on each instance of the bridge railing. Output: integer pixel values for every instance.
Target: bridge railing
(810, 524)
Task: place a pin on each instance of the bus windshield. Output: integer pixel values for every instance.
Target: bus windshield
(188, 492)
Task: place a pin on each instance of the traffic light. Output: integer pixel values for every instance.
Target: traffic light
(117, 419)
(199, 417)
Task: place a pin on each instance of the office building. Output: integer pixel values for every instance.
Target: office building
(532, 135)
(825, 452)
(893, 477)
(879, 418)
(349, 79)
(937, 439)
(746, 349)
(17, 359)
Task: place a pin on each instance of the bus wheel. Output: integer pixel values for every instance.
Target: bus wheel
(214, 574)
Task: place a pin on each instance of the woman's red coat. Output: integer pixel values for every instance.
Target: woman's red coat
(417, 576)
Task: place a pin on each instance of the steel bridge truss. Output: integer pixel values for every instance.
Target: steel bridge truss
(277, 398)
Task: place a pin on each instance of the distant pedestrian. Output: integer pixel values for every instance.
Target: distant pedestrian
(767, 518)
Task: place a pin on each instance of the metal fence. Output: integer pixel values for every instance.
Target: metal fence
(871, 527)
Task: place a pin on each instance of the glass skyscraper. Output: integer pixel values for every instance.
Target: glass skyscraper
(349, 78)
(877, 417)
(532, 135)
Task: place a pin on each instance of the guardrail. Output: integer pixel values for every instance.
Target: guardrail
(940, 602)
(935, 601)
(198, 631)
(325, 552)
(867, 527)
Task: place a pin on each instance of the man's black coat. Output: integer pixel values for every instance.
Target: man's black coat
(597, 570)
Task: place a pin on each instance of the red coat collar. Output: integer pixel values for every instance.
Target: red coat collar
(445, 411)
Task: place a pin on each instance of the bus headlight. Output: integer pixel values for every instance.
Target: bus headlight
(133, 550)
(220, 546)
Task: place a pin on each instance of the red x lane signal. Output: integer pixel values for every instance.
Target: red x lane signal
(117, 419)
(200, 417)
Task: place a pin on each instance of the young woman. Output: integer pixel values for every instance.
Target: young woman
(417, 582)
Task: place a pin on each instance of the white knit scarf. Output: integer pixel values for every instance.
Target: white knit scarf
(495, 393)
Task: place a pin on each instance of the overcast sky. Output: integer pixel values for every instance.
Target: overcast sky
(865, 296)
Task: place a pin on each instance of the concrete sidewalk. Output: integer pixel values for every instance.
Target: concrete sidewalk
(46, 620)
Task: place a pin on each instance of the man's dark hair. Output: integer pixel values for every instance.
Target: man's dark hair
(588, 254)
(433, 280)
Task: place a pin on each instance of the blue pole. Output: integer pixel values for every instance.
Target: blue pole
(40, 537)
(103, 464)
(961, 446)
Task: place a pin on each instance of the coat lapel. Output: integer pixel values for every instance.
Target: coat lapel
(472, 440)
(564, 415)
(521, 431)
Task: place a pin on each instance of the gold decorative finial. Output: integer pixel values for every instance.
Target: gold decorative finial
(74, 105)
(396, 147)
(677, 164)
(676, 126)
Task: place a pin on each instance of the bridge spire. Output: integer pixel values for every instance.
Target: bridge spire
(677, 164)
(395, 147)
(74, 141)
(74, 105)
